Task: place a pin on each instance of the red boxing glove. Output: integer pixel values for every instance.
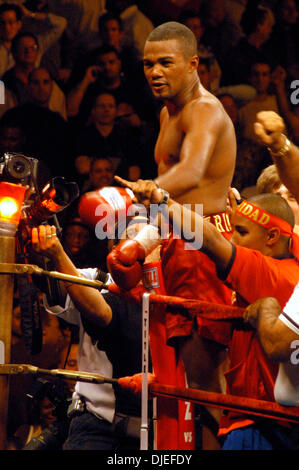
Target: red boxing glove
(103, 208)
(125, 263)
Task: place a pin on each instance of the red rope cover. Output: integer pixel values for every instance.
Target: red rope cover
(229, 402)
(251, 406)
(185, 306)
(245, 405)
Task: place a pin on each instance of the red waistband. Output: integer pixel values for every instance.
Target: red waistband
(221, 221)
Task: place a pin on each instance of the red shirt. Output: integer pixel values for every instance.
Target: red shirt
(253, 276)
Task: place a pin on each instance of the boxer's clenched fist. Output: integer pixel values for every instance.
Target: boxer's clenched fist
(269, 129)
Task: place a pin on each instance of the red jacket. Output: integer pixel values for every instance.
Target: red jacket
(253, 276)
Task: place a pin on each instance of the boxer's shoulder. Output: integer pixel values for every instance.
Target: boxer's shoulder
(204, 106)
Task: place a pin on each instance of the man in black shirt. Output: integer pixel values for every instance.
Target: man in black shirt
(46, 132)
(106, 137)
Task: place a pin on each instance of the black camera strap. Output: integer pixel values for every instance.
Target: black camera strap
(31, 325)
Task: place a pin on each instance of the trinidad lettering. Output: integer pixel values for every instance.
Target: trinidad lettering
(258, 216)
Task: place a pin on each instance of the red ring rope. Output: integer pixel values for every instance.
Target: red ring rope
(251, 406)
(246, 405)
(185, 306)
(235, 403)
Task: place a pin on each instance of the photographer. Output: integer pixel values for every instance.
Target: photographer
(106, 419)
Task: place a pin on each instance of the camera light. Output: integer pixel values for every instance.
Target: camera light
(11, 200)
(8, 207)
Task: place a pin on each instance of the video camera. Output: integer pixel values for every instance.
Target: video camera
(45, 196)
(16, 168)
(41, 203)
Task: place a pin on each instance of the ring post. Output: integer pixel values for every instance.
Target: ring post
(11, 200)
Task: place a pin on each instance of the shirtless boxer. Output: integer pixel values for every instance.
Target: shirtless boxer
(195, 154)
(195, 149)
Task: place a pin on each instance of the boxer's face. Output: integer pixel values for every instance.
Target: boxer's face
(248, 234)
(166, 68)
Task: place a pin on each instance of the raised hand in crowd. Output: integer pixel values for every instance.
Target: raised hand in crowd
(270, 129)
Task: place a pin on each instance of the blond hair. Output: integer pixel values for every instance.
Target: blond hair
(268, 181)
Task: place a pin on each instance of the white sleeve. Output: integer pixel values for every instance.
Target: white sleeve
(290, 313)
(69, 313)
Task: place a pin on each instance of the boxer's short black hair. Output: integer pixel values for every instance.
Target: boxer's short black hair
(178, 31)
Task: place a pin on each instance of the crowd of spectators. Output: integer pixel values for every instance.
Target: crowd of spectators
(79, 68)
(75, 88)
(76, 97)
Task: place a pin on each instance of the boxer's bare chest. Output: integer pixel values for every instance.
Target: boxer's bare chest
(169, 142)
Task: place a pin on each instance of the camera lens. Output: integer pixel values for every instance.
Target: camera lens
(18, 167)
